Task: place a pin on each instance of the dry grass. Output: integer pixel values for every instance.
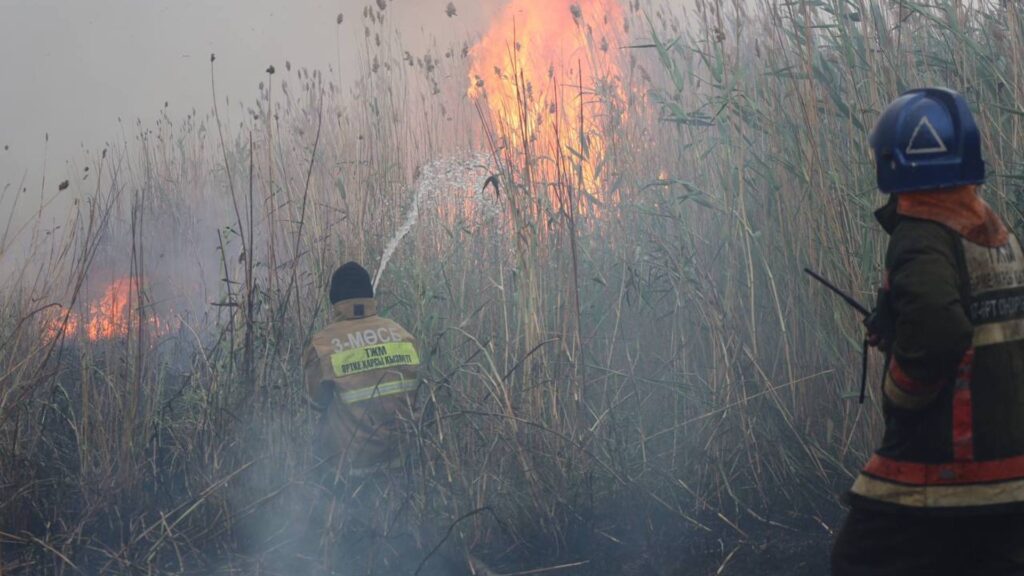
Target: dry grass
(595, 379)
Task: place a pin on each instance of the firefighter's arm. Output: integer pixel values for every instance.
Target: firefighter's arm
(319, 389)
(932, 328)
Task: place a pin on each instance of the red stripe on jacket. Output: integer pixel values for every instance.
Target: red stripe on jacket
(963, 411)
(951, 474)
(908, 383)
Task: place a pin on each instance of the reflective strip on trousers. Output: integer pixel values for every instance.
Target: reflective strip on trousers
(378, 391)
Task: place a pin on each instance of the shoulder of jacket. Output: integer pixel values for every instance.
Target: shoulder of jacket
(913, 233)
(332, 331)
(310, 352)
(921, 227)
(398, 327)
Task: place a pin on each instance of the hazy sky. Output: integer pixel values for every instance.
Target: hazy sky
(70, 68)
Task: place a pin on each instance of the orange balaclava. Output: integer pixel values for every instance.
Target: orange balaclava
(961, 209)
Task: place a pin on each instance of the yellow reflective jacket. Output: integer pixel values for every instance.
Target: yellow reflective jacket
(360, 372)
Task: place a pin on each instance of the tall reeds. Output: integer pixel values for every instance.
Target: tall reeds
(652, 365)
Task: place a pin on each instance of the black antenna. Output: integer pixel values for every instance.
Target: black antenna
(864, 312)
(846, 297)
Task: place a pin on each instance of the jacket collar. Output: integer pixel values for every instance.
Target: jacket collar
(354, 309)
(960, 209)
(887, 216)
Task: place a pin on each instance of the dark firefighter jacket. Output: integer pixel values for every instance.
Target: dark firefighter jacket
(360, 372)
(954, 393)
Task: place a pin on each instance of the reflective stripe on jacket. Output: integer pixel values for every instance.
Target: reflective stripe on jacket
(361, 372)
(954, 394)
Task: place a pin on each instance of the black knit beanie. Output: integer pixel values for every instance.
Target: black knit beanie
(350, 281)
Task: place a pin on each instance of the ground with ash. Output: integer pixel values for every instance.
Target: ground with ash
(799, 549)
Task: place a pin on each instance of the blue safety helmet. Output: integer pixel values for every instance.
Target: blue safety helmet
(927, 139)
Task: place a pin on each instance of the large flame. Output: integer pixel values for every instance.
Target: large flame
(531, 67)
(110, 316)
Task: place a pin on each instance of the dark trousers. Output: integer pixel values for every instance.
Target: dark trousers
(875, 543)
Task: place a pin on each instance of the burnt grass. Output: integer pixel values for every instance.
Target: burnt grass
(624, 536)
(663, 545)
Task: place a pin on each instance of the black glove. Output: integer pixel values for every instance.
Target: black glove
(881, 323)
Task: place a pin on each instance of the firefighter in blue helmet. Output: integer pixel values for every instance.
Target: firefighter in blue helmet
(944, 493)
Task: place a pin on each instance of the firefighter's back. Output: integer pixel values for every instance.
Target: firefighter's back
(361, 371)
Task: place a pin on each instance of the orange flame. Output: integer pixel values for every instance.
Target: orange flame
(111, 316)
(532, 65)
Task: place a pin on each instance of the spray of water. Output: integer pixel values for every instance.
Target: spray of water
(389, 249)
(454, 179)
